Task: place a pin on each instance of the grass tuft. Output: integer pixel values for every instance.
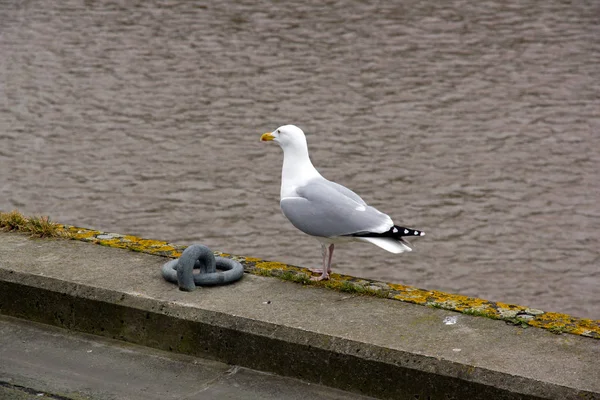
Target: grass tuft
(12, 221)
(43, 227)
(36, 226)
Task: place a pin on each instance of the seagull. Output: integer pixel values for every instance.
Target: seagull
(327, 210)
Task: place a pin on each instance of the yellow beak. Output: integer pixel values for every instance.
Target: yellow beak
(266, 137)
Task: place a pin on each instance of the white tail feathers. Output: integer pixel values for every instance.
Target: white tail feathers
(389, 244)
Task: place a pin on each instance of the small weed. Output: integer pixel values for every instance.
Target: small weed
(43, 227)
(36, 226)
(12, 221)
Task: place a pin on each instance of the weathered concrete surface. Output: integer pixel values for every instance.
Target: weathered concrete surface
(555, 322)
(43, 361)
(369, 345)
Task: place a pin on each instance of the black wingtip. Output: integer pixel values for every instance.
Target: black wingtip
(394, 232)
(401, 231)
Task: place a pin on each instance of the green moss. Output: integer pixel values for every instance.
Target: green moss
(303, 278)
(262, 272)
(517, 322)
(295, 277)
(558, 330)
(435, 305)
(290, 276)
(478, 313)
(350, 287)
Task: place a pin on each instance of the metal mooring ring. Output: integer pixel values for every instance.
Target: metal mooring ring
(197, 256)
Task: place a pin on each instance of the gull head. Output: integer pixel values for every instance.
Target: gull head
(286, 136)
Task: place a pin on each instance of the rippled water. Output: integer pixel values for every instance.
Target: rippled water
(476, 121)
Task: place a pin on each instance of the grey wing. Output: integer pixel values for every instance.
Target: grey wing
(323, 210)
(347, 192)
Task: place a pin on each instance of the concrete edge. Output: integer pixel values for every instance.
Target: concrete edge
(359, 367)
(519, 315)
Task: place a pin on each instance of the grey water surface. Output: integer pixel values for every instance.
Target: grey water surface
(475, 121)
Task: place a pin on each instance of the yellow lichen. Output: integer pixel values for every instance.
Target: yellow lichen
(270, 265)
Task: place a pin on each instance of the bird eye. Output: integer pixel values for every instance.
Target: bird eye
(278, 131)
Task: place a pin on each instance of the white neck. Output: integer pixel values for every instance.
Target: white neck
(297, 169)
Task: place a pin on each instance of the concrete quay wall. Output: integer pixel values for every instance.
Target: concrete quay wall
(350, 333)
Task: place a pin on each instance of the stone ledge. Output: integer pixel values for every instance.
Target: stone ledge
(512, 313)
(365, 344)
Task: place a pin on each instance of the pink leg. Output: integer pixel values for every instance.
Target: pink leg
(327, 255)
(324, 253)
(330, 257)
